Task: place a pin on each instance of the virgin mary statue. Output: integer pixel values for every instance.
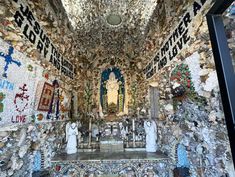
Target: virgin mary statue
(151, 135)
(71, 138)
(112, 87)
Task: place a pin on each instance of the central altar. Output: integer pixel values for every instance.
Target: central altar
(110, 141)
(108, 164)
(111, 144)
(115, 149)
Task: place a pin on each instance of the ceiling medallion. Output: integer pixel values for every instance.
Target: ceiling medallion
(114, 19)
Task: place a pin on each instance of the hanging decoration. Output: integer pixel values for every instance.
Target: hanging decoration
(54, 106)
(88, 96)
(181, 80)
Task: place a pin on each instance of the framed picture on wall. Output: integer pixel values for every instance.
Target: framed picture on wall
(46, 97)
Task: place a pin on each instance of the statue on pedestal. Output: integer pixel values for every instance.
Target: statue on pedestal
(71, 138)
(150, 128)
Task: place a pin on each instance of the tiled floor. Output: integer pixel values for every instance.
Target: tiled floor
(109, 156)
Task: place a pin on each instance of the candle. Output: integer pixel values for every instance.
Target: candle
(89, 140)
(133, 133)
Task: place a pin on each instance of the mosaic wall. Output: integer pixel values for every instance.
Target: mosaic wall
(17, 90)
(191, 110)
(122, 168)
(32, 117)
(23, 93)
(26, 130)
(191, 128)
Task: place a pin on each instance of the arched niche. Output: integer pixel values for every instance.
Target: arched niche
(112, 91)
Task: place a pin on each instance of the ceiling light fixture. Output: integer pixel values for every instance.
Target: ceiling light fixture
(114, 19)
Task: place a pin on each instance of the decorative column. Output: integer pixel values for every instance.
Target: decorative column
(120, 98)
(75, 103)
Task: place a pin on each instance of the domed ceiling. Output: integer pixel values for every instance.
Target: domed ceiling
(110, 28)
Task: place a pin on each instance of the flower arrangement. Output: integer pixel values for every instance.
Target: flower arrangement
(181, 80)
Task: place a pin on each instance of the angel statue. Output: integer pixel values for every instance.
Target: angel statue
(71, 137)
(151, 135)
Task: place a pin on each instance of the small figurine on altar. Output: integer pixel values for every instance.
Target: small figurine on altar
(123, 130)
(94, 130)
(71, 137)
(150, 128)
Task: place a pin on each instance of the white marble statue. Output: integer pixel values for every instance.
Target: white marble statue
(94, 130)
(150, 128)
(71, 138)
(123, 130)
(112, 87)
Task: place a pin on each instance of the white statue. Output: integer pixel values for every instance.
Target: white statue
(112, 87)
(71, 137)
(79, 137)
(151, 135)
(123, 130)
(94, 130)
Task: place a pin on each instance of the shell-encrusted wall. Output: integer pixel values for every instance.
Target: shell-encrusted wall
(35, 98)
(194, 116)
(190, 110)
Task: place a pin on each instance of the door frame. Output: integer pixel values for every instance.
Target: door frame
(223, 64)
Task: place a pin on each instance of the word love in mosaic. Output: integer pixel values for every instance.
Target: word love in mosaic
(32, 30)
(18, 119)
(21, 103)
(175, 42)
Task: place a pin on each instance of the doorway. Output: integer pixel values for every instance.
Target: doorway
(154, 98)
(221, 23)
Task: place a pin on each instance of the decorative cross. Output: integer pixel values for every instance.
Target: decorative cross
(23, 97)
(9, 60)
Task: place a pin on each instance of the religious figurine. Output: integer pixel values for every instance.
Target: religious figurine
(123, 130)
(151, 135)
(79, 137)
(94, 130)
(71, 138)
(112, 87)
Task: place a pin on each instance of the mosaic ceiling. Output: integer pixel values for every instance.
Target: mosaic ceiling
(126, 33)
(110, 28)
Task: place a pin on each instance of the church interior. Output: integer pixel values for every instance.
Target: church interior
(116, 88)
